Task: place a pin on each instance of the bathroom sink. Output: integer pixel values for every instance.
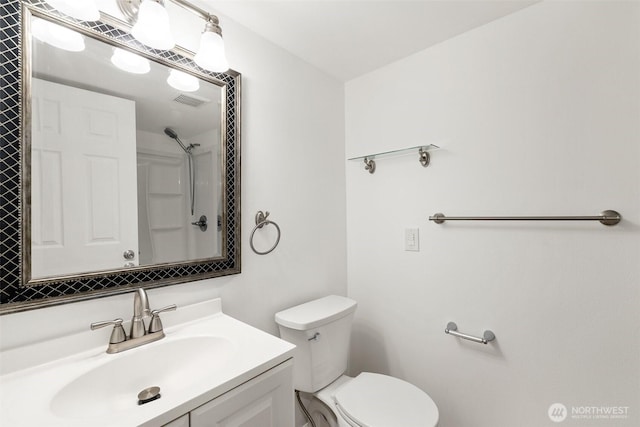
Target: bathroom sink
(172, 365)
(204, 355)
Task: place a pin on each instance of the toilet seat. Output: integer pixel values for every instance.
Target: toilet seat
(375, 400)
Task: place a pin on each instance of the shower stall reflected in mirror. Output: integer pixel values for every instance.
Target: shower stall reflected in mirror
(176, 186)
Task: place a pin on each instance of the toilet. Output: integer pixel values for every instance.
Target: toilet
(321, 331)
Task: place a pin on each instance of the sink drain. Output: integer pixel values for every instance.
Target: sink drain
(149, 394)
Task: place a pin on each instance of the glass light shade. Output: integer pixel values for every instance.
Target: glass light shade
(152, 27)
(56, 35)
(211, 55)
(130, 62)
(183, 81)
(84, 10)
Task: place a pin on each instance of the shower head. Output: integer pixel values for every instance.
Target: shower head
(171, 133)
(192, 172)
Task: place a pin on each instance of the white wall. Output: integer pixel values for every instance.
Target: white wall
(292, 165)
(537, 113)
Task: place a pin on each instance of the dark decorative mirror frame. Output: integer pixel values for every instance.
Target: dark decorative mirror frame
(14, 207)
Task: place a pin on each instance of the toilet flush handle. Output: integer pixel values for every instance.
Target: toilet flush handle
(315, 337)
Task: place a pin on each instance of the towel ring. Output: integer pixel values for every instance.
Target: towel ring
(261, 221)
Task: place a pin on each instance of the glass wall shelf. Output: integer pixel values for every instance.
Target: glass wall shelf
(421, 150)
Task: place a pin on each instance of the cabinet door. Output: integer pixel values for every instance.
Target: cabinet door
(264, 401)
(183, 421)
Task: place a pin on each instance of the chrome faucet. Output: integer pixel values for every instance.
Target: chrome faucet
(139, 334)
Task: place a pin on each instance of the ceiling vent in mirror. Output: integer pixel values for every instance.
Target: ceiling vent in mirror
(191, 100)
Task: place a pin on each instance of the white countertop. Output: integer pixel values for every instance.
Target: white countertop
(27, 390)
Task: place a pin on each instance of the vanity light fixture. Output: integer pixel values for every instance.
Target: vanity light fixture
(152, 25)
(211, 55)
(130, 62)
(84, 10)
(182, 81)
(57, 36)
(150, 22)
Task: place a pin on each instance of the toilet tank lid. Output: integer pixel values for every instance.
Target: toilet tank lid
(316, 313)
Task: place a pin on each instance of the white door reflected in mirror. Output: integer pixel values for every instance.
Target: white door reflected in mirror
(82, 218)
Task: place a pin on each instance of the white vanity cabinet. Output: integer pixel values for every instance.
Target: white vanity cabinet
(264, 401)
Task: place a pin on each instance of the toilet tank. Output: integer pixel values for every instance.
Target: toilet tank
(321, 332)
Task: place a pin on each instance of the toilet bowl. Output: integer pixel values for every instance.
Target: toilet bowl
(320, 412)
(321, 331)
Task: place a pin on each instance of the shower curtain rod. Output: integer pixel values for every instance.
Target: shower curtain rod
(608, 217)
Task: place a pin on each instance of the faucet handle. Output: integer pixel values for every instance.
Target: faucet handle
(156, 324)
(118, 334)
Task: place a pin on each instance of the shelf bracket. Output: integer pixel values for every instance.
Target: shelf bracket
(370, 165)
(425, 158)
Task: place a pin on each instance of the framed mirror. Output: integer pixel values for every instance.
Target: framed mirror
(122, 162)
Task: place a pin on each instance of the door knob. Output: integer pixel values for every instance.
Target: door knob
(202, 223)
(129, 255)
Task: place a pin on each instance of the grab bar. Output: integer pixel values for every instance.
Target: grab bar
(452, 329)
(608, 217)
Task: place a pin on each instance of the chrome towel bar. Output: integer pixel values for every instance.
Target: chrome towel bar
(452, 329)
(608, 217)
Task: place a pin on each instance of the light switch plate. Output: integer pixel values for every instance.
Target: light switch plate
(412, 239)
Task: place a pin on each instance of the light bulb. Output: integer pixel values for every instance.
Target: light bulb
(211, 55)
(152, 27)
(130, 62)
(84, 10)
(56, 35)
(183, 81)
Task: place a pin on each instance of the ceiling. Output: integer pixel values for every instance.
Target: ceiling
(348, 38)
